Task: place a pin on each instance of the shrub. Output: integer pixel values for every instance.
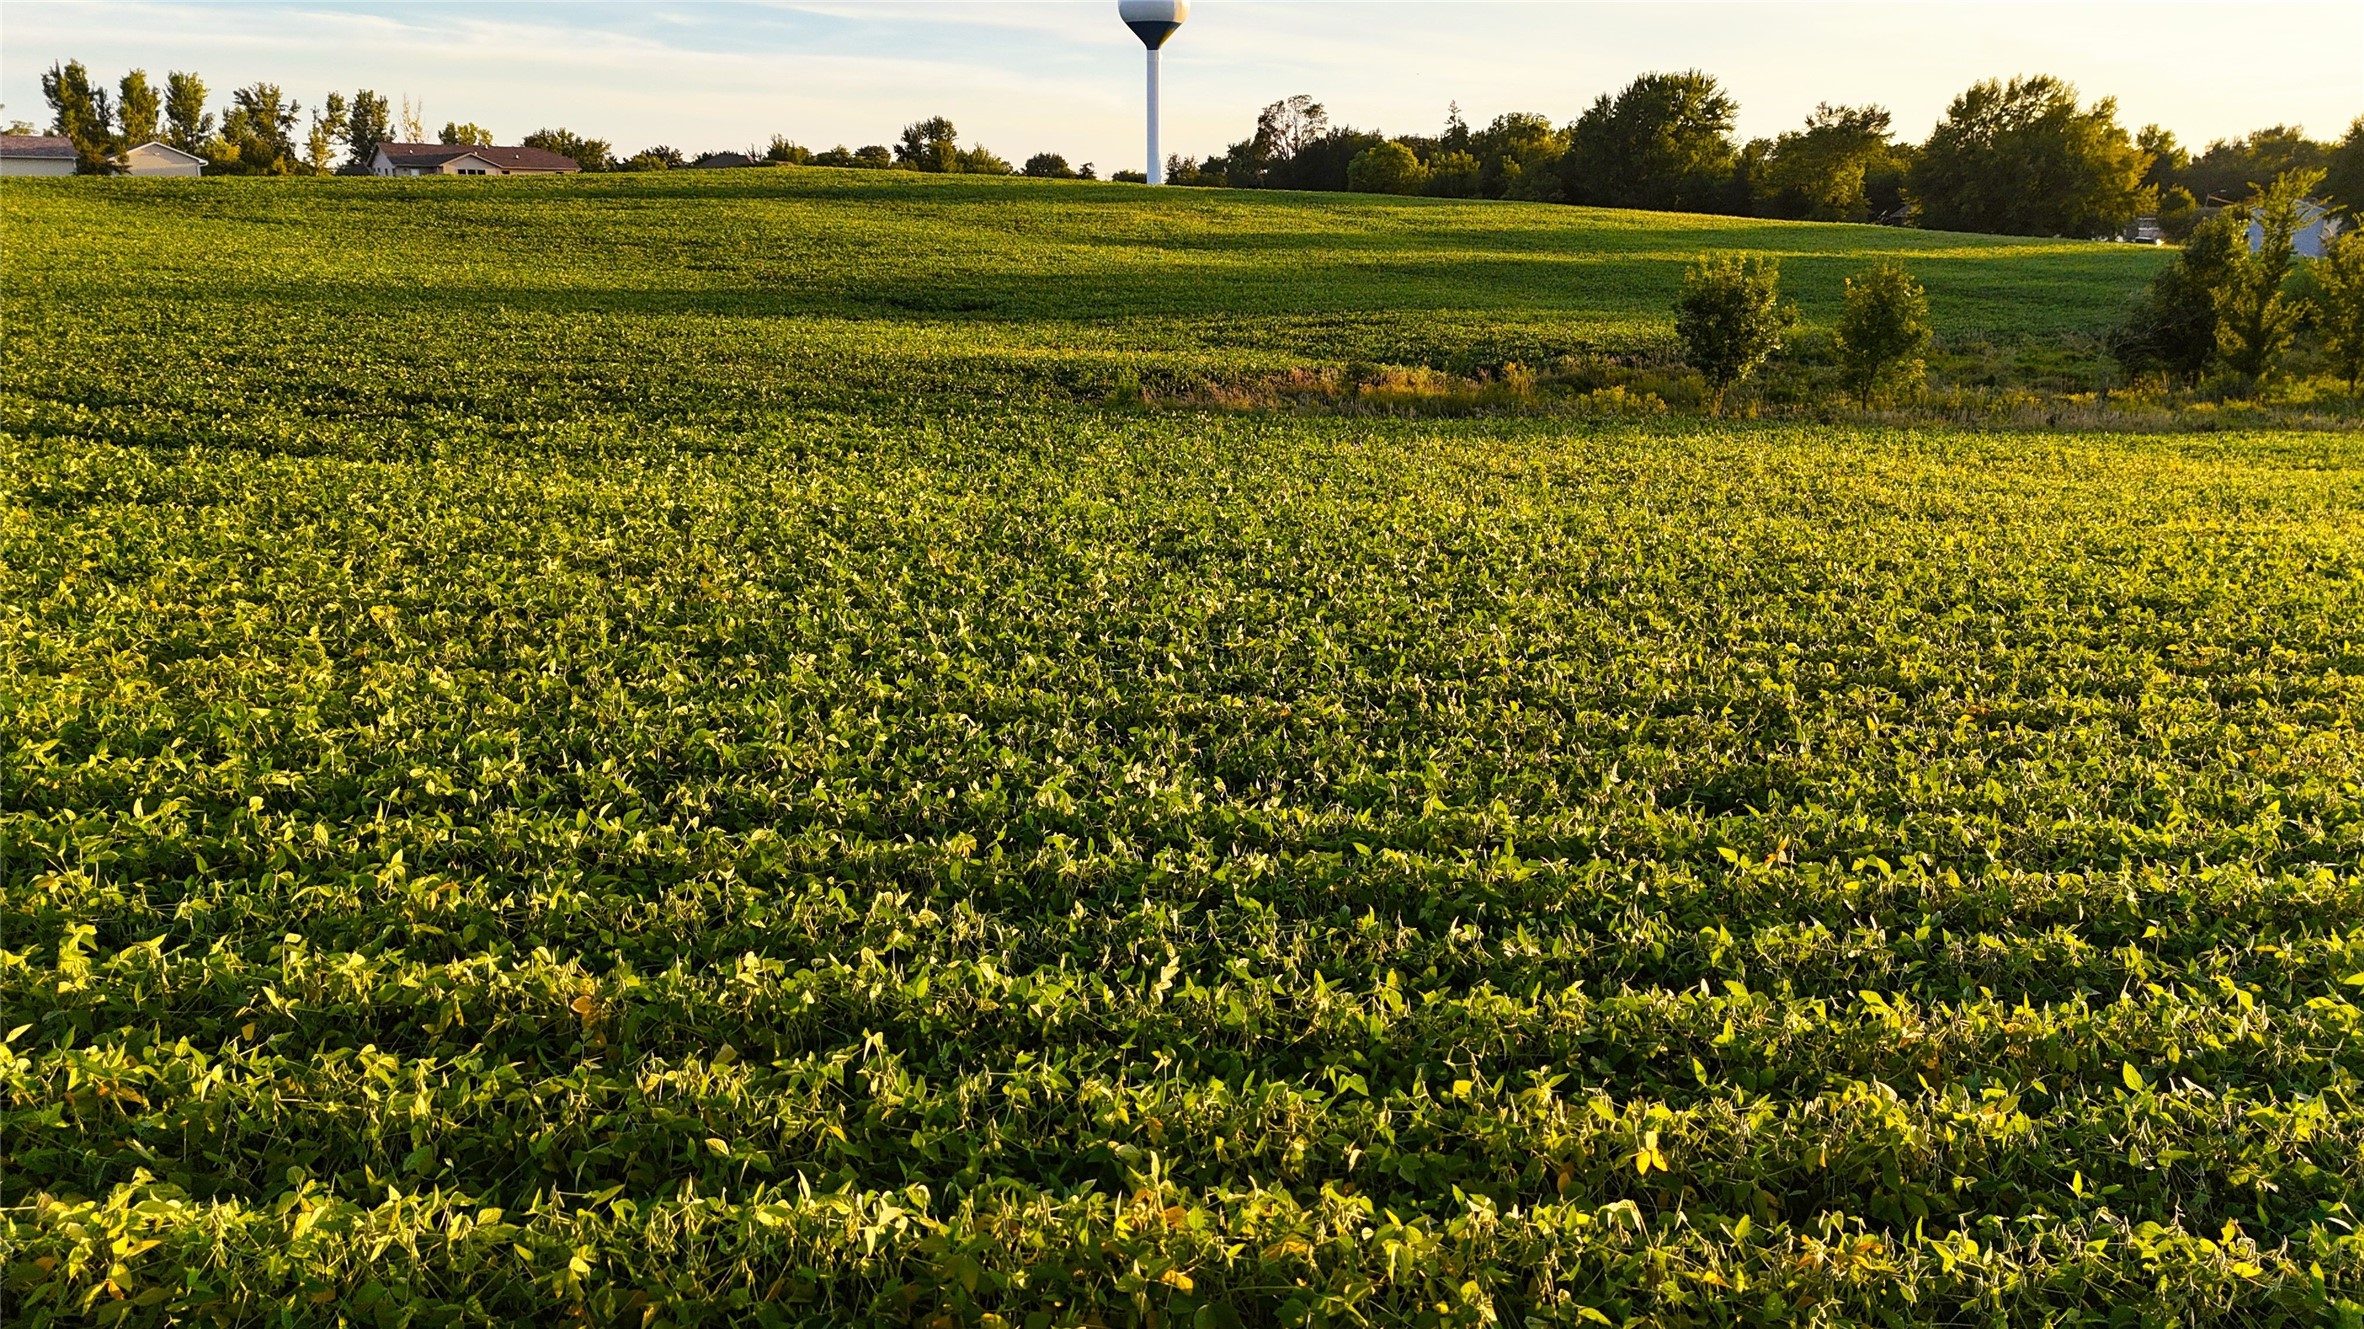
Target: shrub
(2172, 329)
(1386, 168)
(1730, 319)
(1883, 332)
(1047, 166)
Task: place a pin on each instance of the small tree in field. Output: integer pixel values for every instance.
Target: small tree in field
(2339, 278)
(1883, 332)
(1730, 319)
(2255, 317)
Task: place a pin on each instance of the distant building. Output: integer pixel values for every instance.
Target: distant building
(37, 154)
(162, 159)
(462, 159)
(713, 161)
(2316, 228)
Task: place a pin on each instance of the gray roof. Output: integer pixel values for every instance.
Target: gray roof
(509, 159)
(52, 147)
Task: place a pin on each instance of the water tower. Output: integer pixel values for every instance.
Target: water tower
(1153, 21)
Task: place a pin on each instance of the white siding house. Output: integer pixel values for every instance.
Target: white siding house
(2316, 228)
(402, 159)
(36, 154)
(162, 159)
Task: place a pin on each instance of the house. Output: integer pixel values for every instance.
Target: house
(2316, 228)
(37, 154)
(464, 159)
(162, 159)
(717, 160)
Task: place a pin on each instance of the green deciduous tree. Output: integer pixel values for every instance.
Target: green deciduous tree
(1519, 157)
(187, 124)
(368, 124)
(136, 109)
(1453, 174)
(1730, 319)
(1883, 331)
(460, 134)
(2022, 159)
(1048, 166)
(781, 151)
(1664, 142)
(2234, 169)
(2179, 212)
(658, 158)
(929, 145)
(2339, 285)
(1386, 168)
(591, 154)
(981, 160)
(2172, 329)
(82, 113)
(258, 132)
(2168, 159)
(327, 131)
(2343, 174)
(1819, 172)
(2255, 316)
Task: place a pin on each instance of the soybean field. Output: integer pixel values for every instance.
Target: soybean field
(676, 750)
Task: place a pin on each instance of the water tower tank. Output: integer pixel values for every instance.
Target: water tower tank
(1153, 21)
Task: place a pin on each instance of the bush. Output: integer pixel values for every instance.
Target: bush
(1386, 168)
(1047, 166)
(1883, 332)
(1730, 319)
(2172, 329)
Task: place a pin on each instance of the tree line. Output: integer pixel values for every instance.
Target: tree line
(2018, 157)
(2023, 157)
(262, 131)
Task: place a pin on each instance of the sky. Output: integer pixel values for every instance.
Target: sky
(1026, 77)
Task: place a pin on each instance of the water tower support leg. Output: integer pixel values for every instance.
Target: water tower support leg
(1157, 164)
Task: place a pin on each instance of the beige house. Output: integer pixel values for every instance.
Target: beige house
(36, 154)
(162, 159)
(399, 159)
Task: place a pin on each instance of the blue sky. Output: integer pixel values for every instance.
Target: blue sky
(1067, 77)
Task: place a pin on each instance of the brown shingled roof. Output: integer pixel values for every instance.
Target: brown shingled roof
(53, 147)
(508, 159)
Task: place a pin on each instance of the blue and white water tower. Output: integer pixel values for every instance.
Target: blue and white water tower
(1153, 21)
